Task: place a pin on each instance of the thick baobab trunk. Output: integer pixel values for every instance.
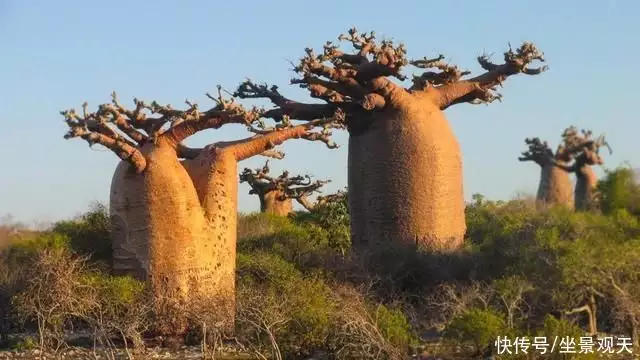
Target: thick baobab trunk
(272, 203)
(174, 222)
(405, 179)
(555, 186)
(586, 182)
(177, 236)
(405, 167)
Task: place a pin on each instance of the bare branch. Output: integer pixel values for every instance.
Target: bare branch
(190, 121)
(93, 128)
(448, 73)
(285, 107)
(274, 154)
(289, 187)
(121, 130)
(538, 152)
(480, 89)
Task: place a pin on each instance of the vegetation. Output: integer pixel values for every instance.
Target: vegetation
(396, 129)
(523, 272)
(277, 194)
(577, 153)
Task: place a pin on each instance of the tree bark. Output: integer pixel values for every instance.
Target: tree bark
(405, 178)
(174, 226)
(555, 186)
(586, 182)
(271, 203)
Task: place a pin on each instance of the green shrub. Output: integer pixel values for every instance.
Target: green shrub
(89, 234)
(477, 326)
(28, 343)
(272, 290)
(303, 244)
(394, 326)
(22, 252)
(264, 267)
(333, 217)
(619, 189)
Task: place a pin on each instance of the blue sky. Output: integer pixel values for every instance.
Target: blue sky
(57, 54)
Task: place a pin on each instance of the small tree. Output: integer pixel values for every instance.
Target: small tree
(555, 186)
(173, 208)
(276, 194)
(619, 190)
(588, 156)
(572, 155)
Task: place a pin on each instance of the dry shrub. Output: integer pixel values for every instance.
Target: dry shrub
(62, 293)
(54, 294)
(262, 317)
(362, 332)
(119, 308)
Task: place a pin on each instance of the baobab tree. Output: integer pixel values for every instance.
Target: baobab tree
(404, 162)
(555, 186)
(576, 154)
(277, 193)
(588, 155)
(174, 208)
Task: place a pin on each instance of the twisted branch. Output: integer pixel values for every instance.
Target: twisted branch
(482, 88)
(360, 81)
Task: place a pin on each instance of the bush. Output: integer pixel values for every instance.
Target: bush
(478, 326)
(54, 294)
(89, 234)
(333, 217)
(282, 310)
(275, 298)
(619, 189)
(303, 244)
(394, 326)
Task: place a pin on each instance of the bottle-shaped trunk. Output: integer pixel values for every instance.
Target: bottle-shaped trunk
(174, 226)
(405, 180)
(586, 182)
(274, 202)
(555, 186)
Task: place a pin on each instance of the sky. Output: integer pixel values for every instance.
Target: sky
(57, 54)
